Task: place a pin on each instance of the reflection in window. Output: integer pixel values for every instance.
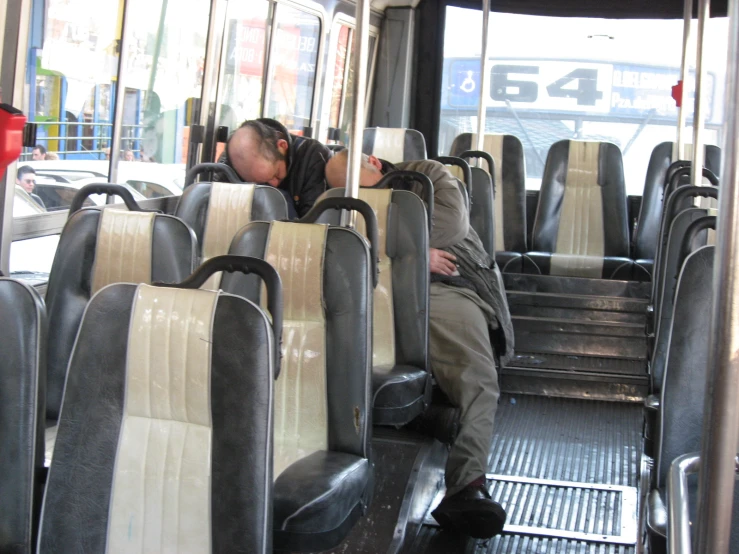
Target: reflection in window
(70, 72)
(166, 56)
(339, 76)
(295, 53)
(245, 51)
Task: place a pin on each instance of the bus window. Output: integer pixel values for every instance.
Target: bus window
(242, 75)
(293, 68)
(166, 42)
(575, 78)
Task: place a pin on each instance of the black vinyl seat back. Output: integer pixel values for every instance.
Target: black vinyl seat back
(216, 211)
(581, 218)
(323, 400)
(684, 383)
(669, 273)
(400, 378)
(681, 199)
(22, 416)
(100, 247)
(482, 208)
(646, 235)
(169, 403)
(394, 145)
(509, 182)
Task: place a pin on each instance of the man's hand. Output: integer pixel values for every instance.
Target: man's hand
(442, 262)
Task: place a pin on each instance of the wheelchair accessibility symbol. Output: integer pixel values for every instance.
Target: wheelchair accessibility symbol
(468, 85)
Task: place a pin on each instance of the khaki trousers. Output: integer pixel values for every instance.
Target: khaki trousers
(464, 367)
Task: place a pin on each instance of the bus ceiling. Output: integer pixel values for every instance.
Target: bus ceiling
(610, 9)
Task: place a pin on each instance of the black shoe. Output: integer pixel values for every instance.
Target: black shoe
(471, 512)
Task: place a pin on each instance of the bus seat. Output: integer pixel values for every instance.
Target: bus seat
(681, 199)
(97, 248)
(581, 226)
(394, 145)
(216, 211)
(22, 400)
(650, 214)
(669, 272)
(400, 378)
(509, 181)
(323, 475)
(680, 419)
(165, 433)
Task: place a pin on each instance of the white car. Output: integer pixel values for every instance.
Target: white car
(149, 179)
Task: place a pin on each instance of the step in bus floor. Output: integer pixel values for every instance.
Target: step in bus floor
(566, 471)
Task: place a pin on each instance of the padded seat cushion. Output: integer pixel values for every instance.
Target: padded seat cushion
(399, 388)
(656, 514)
(540, 263)
(317, 493)
(509, 262)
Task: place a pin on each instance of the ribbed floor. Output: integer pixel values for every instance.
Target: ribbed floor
(576, 441)
(579, 363)
(567, 440)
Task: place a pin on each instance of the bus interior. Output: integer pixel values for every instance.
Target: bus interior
(596, 147)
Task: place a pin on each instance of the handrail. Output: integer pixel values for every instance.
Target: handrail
(679, 540)
(678, 512)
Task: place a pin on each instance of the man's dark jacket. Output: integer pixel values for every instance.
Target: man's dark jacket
(306, 162)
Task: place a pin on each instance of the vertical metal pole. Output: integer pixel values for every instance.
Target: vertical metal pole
(120, 95)
(682, 113)
(696, 175)
(271, 47)
(721, 420)
(213, 51)
(484, 77)
(359, 89)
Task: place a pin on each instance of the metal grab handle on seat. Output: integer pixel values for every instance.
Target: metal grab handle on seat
(248, 266)
(695, 227)
(467, 154)
(685, 192)
(678, 511)
(209, 168)
(459, 162)
(405, 177)
(357, 205)
(674, 166)
(105, 188)
(685, 171)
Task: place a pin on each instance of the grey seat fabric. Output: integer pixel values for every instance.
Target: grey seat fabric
(266, 204)
(323, 399)
(172, 415)
(401, 392)
(680, 419)
(650, 213)
(394, 145)
(81, 266)
(22, 402)
(581, 227)
(509, 180)
(669, 272)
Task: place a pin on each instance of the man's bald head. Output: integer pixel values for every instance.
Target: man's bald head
(257, 152)
(336, 170)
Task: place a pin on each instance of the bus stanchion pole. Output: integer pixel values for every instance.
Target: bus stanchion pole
(682, 117)
(359, 89)
(696, 175)
(484, 79)
(721, 415)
